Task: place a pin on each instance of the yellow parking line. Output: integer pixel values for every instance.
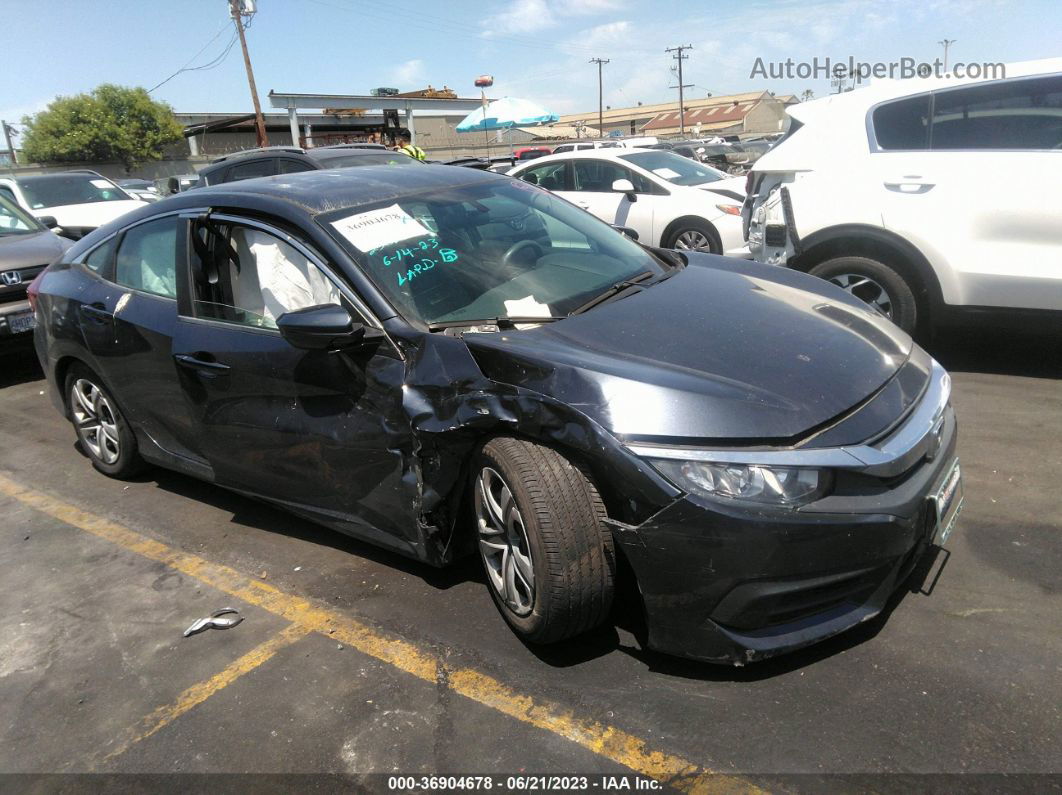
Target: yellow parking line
(607, 741)
(200, 692)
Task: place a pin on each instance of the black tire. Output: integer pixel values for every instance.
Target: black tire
(115, 453)
(693, 226)
(570, 547)
(903, 309)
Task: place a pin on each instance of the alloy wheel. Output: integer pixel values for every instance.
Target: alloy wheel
(503, 543)
(95, 420)
(692, 240)
(866, 290)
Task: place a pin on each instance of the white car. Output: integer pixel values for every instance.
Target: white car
(79, 201)
(669, 200)
(926, 198)
(584, 145)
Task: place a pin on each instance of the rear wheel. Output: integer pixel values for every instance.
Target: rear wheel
(692, 234)
(546, 551)
(874, 283)
(102, 432)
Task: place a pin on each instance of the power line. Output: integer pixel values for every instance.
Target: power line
(185, 68)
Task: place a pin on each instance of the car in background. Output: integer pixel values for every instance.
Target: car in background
(883, 191)
(27, 247)
(269, 161)
(450, 363)
(140, 189)
(668, 200)
(531, 152)
(178, 183)
(360, 145)
(79, 201)
(582, 146)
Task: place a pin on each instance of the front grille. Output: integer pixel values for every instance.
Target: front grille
(17, 291)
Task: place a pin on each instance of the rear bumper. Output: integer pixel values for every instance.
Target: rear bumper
(735, 585)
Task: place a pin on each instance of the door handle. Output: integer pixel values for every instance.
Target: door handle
(96, 313)
(584, 205)
(909, 183)
(203, 366)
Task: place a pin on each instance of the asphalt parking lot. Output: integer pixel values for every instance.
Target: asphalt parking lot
(351, 660)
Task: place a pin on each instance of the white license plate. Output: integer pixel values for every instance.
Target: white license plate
(947, 503)
(20, 323)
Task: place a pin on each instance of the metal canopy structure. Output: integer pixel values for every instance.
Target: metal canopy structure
(293, 102)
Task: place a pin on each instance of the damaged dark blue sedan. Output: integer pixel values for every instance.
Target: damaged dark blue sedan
(447, 362)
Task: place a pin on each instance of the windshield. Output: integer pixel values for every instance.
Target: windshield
(14, 220)
(56, 190)
(370, 159)
(503, 249)
(674, 168)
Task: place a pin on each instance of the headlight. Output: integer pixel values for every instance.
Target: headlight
(764, 485)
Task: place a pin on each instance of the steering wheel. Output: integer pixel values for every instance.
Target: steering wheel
(516, 248)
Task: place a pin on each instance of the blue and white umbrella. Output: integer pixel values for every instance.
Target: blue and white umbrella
(504, 114)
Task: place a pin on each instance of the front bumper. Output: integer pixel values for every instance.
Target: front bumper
(732, 584)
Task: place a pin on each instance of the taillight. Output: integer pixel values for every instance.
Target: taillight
(34, 290)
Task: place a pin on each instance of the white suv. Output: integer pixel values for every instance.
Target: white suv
(922, 196)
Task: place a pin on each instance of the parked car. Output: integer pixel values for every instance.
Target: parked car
(581, 146)
(79, 201)
(178, 183)
(142, 189)
(27, 246)
(667, 199)
(882, 191)
(445, 362)
(291, 160)
(532, 152)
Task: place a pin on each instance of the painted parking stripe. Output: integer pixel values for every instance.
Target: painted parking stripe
(607, 741)
(201, 691)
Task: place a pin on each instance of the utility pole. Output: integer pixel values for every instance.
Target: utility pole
(236, 10)
(600, 96)
(678, 56)
(945, 43)
(7, 138)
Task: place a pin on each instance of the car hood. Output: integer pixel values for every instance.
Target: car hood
(30, 250)
(92, 214)
(722, 350)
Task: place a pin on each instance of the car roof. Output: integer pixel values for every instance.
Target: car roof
(330, 189)
(327, 152)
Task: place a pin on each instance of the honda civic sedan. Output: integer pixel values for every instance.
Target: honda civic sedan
(448, 362)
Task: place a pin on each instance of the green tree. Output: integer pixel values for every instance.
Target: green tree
(113, 123)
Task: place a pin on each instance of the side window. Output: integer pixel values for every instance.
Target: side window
(563, 148)
(147, 257)
(257, 168)
(549, 176)
(903, 125)
(597, 176)
(292, 167)
(249, 277)
(100, 258)
(1014, 114)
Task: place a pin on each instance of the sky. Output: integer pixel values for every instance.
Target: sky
(535, 49)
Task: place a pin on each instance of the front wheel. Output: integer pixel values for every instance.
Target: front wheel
(874, 283)
(546, 551)
(694, 235)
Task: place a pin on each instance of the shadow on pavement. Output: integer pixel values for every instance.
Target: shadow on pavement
(19, 365)
(990, 349)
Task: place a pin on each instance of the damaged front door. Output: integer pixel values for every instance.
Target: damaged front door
(319, 431)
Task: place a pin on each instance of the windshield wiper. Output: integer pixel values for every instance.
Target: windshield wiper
(616, 289)
(507, 322)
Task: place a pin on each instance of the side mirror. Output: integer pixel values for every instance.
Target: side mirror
(49, 221)
(625, 186)
(323, 328)
(625, 230)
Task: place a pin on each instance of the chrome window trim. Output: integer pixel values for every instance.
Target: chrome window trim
(891, 456)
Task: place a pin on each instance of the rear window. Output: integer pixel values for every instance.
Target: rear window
(903, 125)
(57, 190)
